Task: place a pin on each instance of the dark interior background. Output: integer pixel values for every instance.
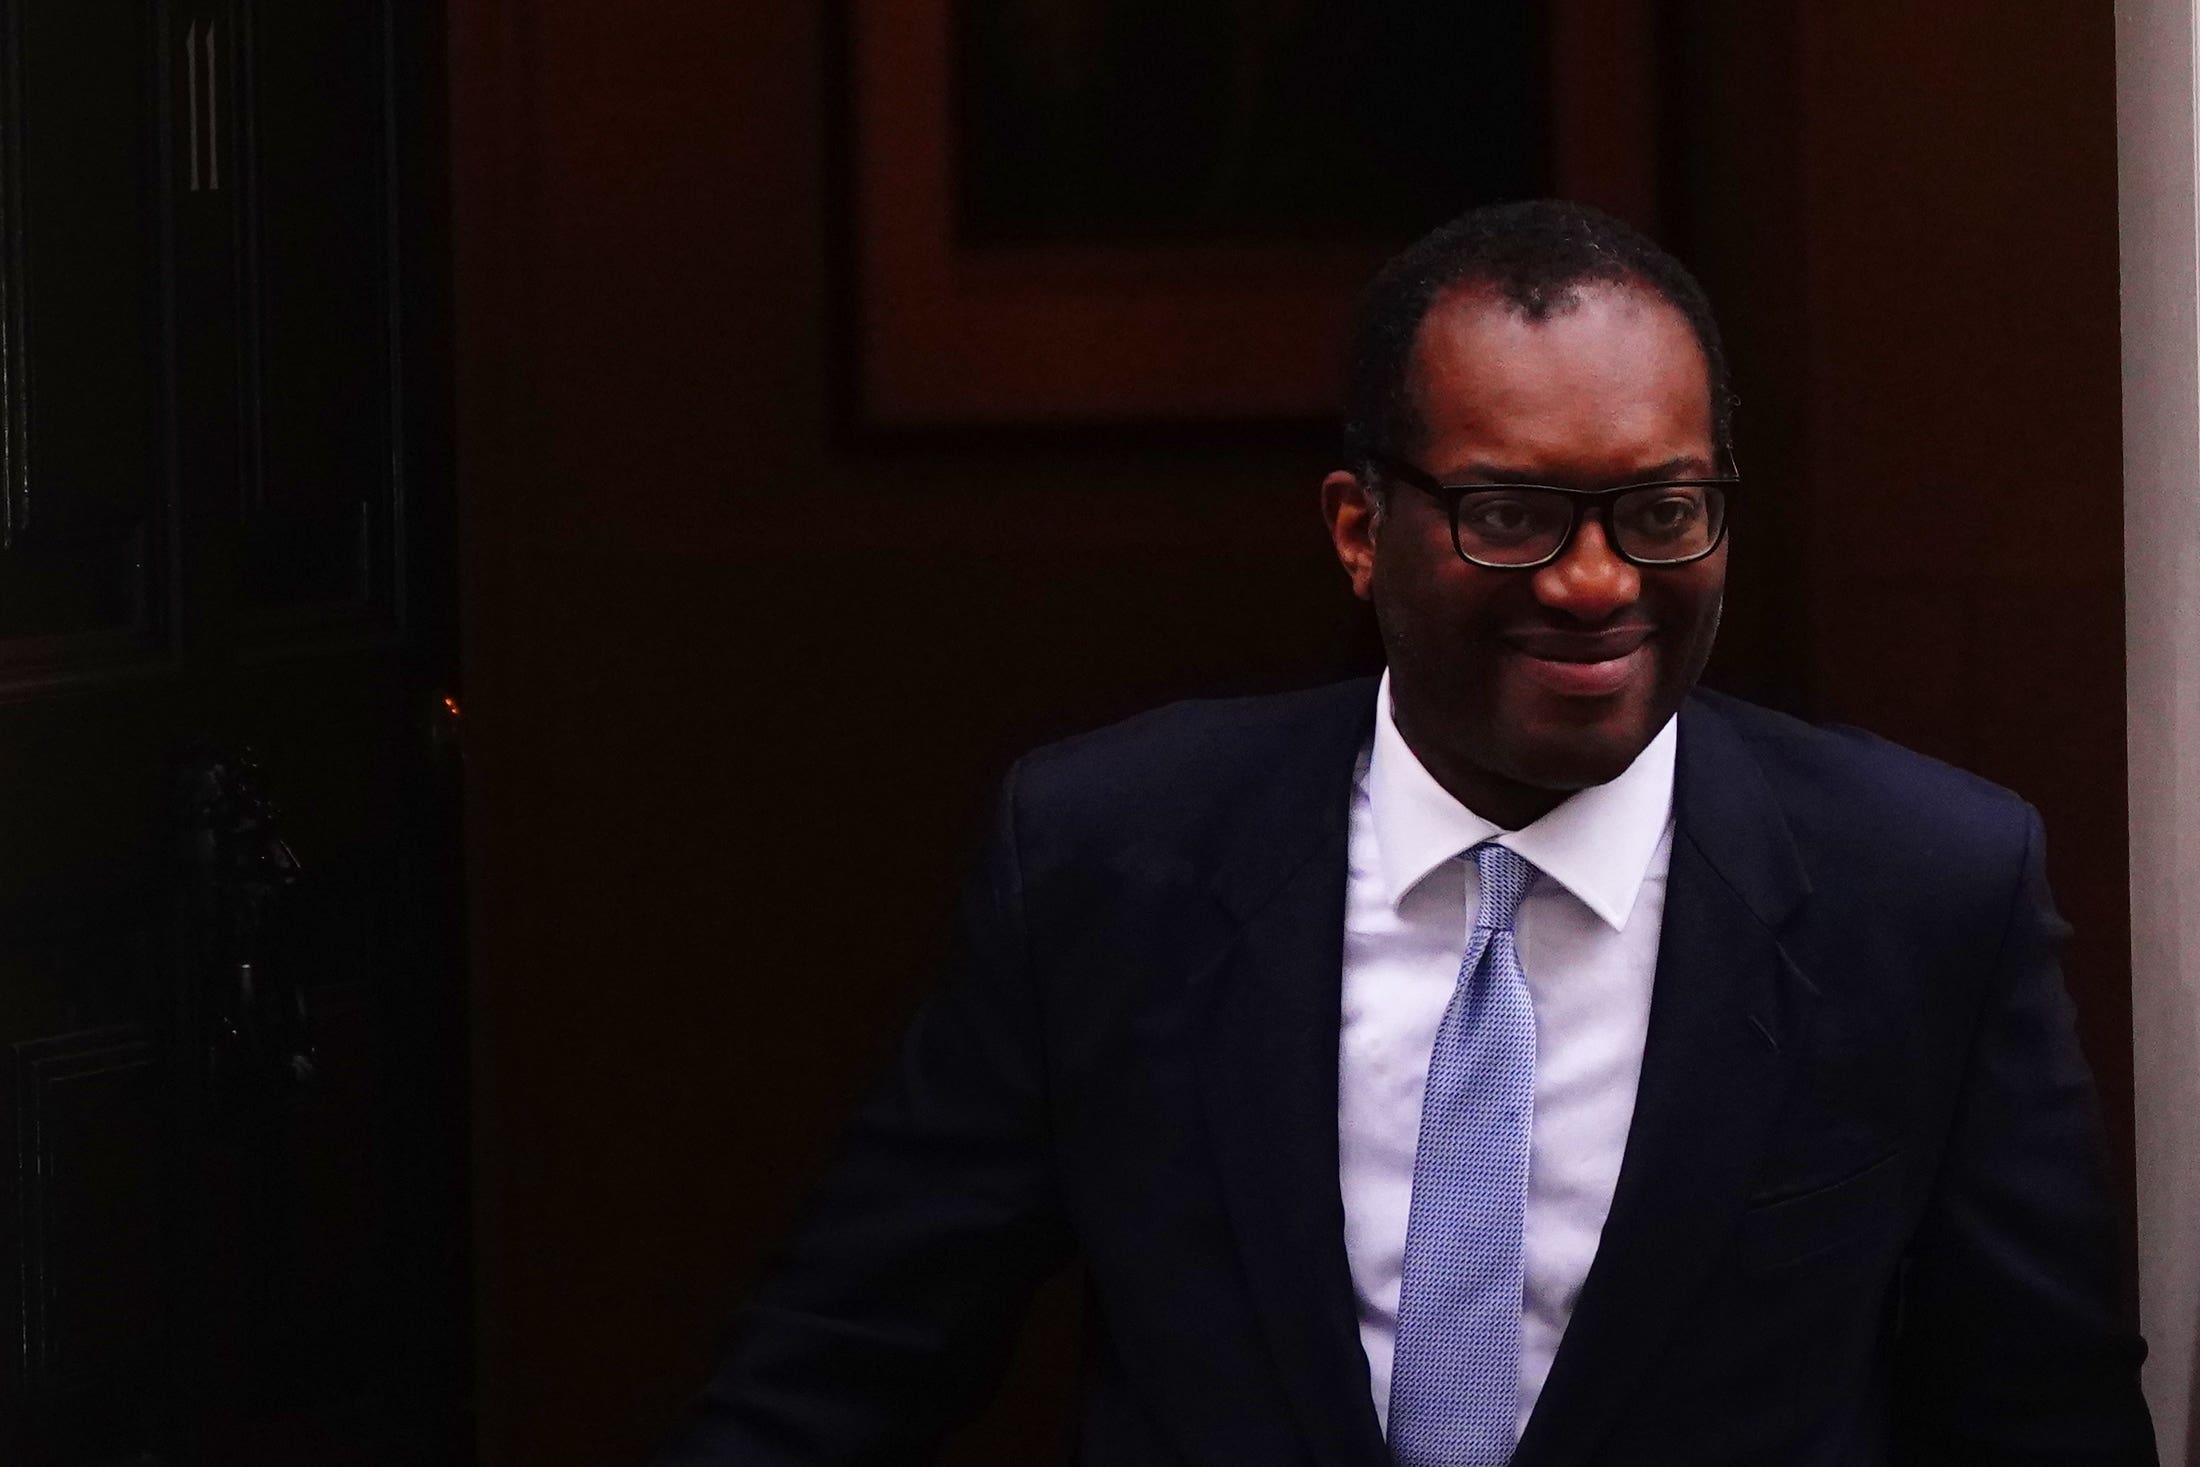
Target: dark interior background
(1128, 121)
(737, 685)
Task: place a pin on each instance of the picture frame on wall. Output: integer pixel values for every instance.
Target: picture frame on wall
(1102, 212)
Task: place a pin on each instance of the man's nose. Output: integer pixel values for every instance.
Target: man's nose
(1589, 582)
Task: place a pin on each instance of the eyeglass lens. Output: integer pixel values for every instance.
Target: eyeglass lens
(1656, 523)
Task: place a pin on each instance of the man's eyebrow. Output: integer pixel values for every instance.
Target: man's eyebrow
(1682, 466)
(1686, 466)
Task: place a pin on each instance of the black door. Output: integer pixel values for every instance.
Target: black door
(231, 1066)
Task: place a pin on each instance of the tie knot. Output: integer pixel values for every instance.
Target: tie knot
(1506, 876)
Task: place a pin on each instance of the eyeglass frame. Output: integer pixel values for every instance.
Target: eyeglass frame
(1583, 502)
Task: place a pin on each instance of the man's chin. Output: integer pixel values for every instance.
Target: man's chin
(1563, 759)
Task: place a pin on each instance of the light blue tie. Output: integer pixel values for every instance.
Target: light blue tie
(1455, 1377)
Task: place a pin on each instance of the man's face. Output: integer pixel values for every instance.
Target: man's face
(1517, 686)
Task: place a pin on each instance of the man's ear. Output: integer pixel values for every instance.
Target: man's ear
(1352, 511)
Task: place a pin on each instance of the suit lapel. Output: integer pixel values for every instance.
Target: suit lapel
(1269, 1085)
(1727, 1008)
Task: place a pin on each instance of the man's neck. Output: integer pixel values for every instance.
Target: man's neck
(1505, 803)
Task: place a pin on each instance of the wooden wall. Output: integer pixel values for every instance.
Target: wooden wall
(737, 694)
(736, 690)
(1911, 231)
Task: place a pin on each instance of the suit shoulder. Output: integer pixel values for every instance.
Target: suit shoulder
(1837, 778)
(1186, 763)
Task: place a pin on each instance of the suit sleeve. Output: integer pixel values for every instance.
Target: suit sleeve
(2015, 1344)
(889, 1315)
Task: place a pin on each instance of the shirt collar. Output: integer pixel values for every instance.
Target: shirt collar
(1598, 843)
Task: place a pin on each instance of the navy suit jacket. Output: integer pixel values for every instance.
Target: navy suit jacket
(1861, 1216)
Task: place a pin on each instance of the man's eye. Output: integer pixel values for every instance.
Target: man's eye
(1501, 518)
(1671, 514)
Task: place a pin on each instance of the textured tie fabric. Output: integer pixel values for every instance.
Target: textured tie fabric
(1455, 1380)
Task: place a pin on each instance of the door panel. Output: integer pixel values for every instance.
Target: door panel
(84, 582)
(320, 498)
(87, 474)
(87, 1115)
(232, 1228)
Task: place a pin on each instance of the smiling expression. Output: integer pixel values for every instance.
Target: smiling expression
(1517, 687)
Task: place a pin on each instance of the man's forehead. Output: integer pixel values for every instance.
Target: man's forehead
(1600, 327)
(1613, 365)
(1492, 307)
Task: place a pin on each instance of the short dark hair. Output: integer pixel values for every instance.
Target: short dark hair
(1535, 255)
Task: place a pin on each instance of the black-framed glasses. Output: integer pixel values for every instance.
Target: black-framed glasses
(1657, 523)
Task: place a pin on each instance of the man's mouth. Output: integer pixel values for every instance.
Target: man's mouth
(1581, 664)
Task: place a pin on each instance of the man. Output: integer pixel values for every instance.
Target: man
(1524, 1058)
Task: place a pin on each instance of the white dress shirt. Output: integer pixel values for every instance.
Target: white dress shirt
(1588, 939)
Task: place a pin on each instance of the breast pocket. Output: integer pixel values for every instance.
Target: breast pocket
(1821, 1226)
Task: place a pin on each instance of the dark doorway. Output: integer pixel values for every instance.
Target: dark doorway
(230, 1017)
